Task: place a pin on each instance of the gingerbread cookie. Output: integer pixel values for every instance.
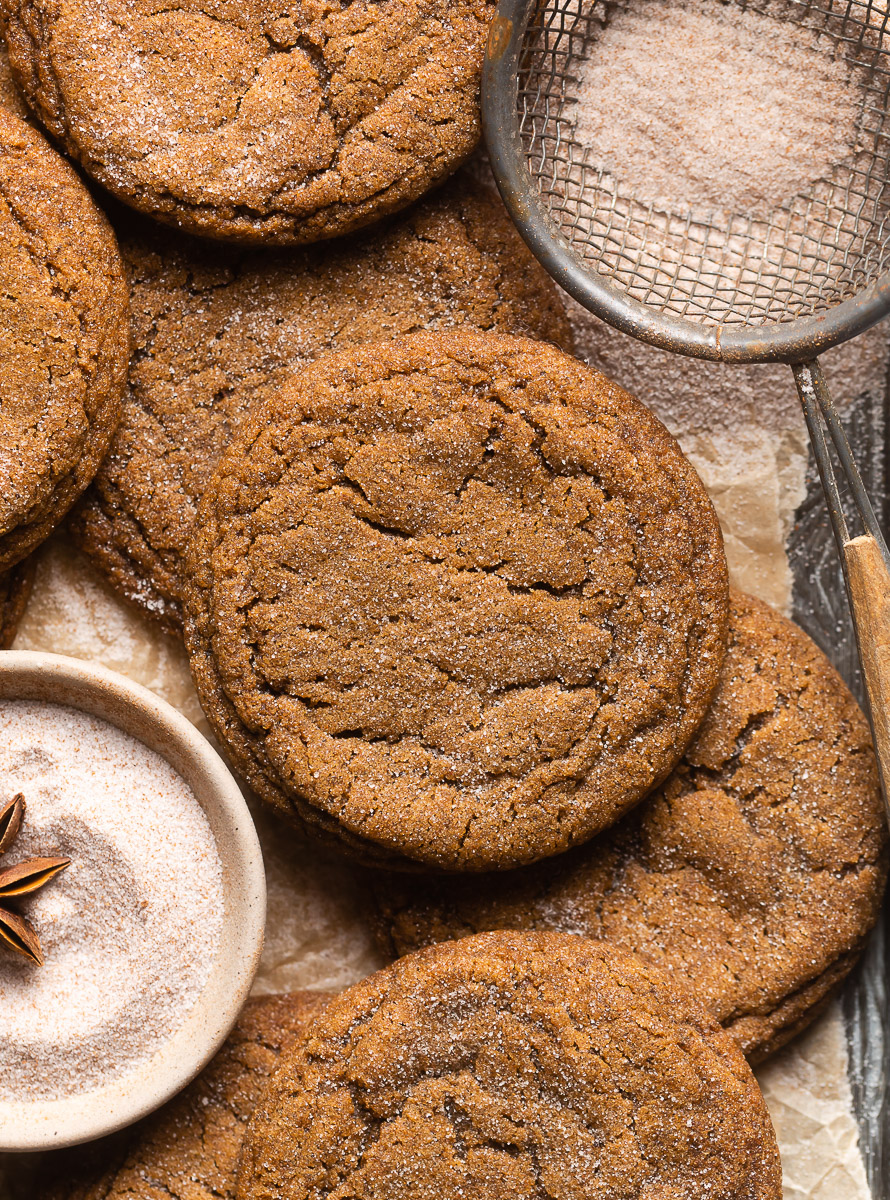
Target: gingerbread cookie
(458, 599)
(15, 588)
(754, 873)
(190, 1146)
(283, 125)
(63, 338)
(513, 1065)
(216, 331)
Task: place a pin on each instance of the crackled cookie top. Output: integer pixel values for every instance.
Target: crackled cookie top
(251, 121)
(190, 1146)
(457, 596)
(512, 1065)
(755, 872)
(216, 330)
(63, 338)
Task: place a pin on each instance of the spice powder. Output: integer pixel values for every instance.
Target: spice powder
(699, 106)
(131, 929)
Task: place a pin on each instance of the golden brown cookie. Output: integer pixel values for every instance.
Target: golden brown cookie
(754, 873)
(513, 1066)
(457, 598)
(217, 330)
(189, 1148)
(15, 588)
(63, 338)
(282, 124)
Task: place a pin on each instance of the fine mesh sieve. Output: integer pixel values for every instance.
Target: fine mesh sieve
(780, 284)
(734, 287)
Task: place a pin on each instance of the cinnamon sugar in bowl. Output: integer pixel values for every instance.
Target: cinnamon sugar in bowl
(151, 936)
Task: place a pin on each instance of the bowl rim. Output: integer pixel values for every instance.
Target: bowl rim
(139, 712)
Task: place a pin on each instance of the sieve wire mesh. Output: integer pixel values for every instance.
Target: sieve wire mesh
(817, 249)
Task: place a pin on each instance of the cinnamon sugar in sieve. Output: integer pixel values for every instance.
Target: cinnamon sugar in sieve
(698, 106)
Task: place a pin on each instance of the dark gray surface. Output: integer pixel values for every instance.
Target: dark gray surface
(820, 606)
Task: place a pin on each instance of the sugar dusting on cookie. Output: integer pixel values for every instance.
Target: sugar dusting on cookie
(253, 122)
(512, 1064)
(471, 627)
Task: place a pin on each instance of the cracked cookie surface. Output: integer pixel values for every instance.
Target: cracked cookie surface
(190, 1147)
(754, 873)
(63, 338)
(513, 1066)
(285, 123)
(217, 330)
(457, 599)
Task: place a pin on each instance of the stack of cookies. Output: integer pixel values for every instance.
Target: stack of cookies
(454, 603)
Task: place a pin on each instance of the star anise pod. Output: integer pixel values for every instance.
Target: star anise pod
(21, 880)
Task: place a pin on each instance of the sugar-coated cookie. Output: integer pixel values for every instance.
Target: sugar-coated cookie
(456, 598)
(64, 338)
(513, 1066)
(255, 122)
(15, 588)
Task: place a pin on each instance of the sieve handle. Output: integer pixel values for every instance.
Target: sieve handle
(865, 559)
(868, 582)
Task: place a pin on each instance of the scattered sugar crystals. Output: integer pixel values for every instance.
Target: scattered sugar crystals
(131, 929)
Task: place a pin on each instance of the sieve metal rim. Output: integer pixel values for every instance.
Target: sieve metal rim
(793, 341)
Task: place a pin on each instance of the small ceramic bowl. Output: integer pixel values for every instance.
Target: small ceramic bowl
(46, 1124)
